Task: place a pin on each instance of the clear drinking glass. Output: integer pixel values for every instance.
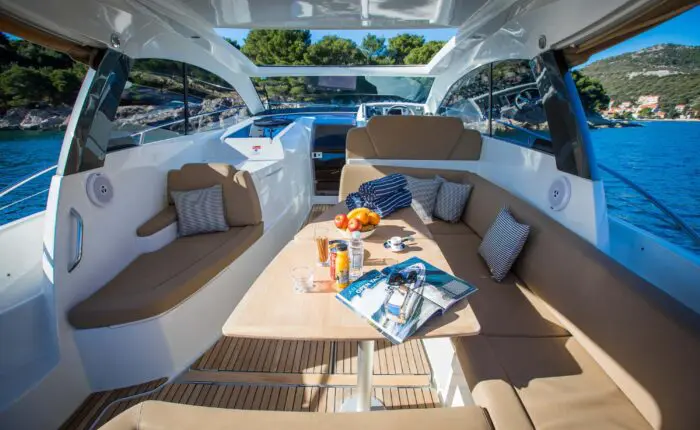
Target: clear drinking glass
(321, 240)
(303, 279)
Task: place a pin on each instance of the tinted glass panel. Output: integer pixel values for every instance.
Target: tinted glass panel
(468, 99)
(152, 105)
(517, 112)
(212, 102)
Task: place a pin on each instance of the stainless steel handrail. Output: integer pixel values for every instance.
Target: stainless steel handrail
(79, 233)
(141, 134)
(16, 185)
(678, 221)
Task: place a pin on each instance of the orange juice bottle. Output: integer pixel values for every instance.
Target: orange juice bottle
(342, 267)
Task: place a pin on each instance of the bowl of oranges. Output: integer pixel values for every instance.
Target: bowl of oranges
(361, 219)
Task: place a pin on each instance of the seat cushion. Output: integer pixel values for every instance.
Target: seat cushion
(241, 200)
(158, 281)
(562, 387)
(503, 308)
(151, 415)
(438, 227)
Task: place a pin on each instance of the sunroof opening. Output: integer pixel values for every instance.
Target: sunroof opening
(338, 47)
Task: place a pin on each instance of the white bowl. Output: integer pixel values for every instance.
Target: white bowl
(363, 234)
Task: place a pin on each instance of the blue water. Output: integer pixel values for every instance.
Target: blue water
(661, 157)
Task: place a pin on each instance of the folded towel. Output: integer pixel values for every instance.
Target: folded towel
(378, 189)
(384, 207)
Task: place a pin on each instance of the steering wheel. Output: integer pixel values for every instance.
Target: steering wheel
(403, 108)
(527, 97)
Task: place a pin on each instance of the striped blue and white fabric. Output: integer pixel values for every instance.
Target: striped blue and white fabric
(385, 206)
(381, 188)
(200, 211)
(502, 244)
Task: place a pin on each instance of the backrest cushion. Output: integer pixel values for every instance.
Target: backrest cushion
(353, 175)
(240, 197)
(647, 342)
(414, 138)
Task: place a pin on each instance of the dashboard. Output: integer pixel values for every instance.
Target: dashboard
(368, 110)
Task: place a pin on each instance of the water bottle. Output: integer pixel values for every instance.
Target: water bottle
(356, 253)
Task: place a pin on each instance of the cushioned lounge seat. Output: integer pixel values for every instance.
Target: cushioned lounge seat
(631, 359)
(438, 227)
(153, 415)
(556, 384)
(505, 308)
(158, 281)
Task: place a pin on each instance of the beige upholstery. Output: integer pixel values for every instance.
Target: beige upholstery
(635, 331)
(237, 187)
(414, 138)
(157, 281)
(635, 348)
(502, 308)
(438, 228)
(152, 415)
(161, 220)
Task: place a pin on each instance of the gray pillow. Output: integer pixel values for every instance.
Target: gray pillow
(200, 211)
(502, 244)
(451, 200)
(423, 194)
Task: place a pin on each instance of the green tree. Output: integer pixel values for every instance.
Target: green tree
(332, 50)
(24, 86)
(645, 113)
(593, 95)
(425, 53)
(402, 45)
(233, 42)
(66, 84)
(374, 49)
(277, 47)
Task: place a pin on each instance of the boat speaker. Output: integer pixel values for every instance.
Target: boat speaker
(99, 189)
(559, 193)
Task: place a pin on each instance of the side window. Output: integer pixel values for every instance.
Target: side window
(152, 105)
(212, 102)
(518, 114)
(468, 99)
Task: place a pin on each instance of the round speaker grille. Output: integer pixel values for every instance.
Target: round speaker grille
(559, 193)
(99, 189)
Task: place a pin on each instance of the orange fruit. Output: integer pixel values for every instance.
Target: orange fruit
(363, 217)
(373, 218)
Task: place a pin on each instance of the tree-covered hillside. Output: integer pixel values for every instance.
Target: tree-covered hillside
(669, 71)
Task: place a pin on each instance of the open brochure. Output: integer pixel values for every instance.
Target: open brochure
(401, 298)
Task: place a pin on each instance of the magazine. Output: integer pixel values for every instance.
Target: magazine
(398, 300)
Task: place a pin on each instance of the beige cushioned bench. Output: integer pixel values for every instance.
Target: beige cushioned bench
(571, 338)
(152, 415)
(156, 282)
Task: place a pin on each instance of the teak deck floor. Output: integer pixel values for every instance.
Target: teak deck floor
(238, 373)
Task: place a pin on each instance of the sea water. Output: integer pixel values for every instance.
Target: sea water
(663, 157)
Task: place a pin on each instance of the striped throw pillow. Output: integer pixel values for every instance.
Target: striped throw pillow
(502, 244)
(423, 194)
(451, 200)
(200, 211)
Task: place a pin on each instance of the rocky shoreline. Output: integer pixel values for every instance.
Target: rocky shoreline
(56, 118)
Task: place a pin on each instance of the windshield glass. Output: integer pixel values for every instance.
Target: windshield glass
(298, 92)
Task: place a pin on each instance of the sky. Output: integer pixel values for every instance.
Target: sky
(683, 29)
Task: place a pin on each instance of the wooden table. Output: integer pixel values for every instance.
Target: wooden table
(272, 310)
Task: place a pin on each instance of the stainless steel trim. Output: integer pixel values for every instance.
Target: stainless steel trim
(685, 227)
(18, 184)
(78, 240)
